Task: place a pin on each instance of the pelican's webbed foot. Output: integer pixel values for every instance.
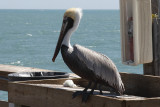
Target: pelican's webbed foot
(84, 93)
(81, 92)
(86, 96)
(75, 94)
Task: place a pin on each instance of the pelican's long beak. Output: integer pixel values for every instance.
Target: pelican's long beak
(60, 40)
(68, 22)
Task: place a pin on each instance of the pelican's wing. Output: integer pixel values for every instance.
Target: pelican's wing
(101, 65)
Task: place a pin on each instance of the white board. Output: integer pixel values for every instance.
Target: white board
(136, 31)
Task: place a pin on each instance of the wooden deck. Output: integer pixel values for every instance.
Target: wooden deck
(7, 69)
(46, 93)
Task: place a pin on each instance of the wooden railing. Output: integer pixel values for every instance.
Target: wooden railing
(7, 69)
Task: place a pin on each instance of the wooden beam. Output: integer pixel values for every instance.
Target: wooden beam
(154, 6)
(146, 103)
(141, 85)
(156, 46)
(3, 104)
(7, 69)
(154, 67)
(3, 84)
(50, 97)
(43, 93)
(132, 82)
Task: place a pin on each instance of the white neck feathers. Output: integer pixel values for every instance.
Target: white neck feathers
(78, 15)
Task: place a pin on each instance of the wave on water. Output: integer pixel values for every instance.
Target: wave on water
(29, 34)
(91, 46)
(56, 31)
(28, 23)
(16, 63)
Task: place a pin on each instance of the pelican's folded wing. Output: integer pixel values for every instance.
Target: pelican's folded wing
(101, 66)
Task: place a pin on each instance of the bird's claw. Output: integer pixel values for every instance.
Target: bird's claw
(75, 94)
(85, 95)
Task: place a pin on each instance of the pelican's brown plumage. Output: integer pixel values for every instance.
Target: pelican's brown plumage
(88, 64)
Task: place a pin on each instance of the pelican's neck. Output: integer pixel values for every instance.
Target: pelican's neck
(66, 40)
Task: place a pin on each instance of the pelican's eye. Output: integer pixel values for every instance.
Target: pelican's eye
(68, 24)
(65, 20)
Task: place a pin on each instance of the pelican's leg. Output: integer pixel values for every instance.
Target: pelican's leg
(114, 91)
(82, 92)
(95, 85)
(100, 90)
(85, 96)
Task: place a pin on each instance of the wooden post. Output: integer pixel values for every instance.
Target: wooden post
(154, 6)
(154, 67)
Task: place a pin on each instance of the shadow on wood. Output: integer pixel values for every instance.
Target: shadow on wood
(43, 93)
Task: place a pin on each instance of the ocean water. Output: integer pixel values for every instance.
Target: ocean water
(29, 37)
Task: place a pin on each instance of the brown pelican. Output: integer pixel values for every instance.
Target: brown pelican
(88, 64)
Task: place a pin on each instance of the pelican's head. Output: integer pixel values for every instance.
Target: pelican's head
(73, 14)
(71, 20)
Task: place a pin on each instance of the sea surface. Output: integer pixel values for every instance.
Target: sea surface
(29, 37)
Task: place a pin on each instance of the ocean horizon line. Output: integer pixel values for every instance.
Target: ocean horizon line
(57, 9)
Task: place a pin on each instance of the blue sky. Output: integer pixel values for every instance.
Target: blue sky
(59, 4)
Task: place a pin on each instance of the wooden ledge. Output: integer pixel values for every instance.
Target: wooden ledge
(47, 93)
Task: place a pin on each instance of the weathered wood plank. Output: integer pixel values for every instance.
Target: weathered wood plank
(3, 104)
(3, 85)
(30, 94)
(154, 6)
(156, 47)
(48, 97)
(132, 82)
(154, 67)
(7, 69)
(147, 103)
(141, 85)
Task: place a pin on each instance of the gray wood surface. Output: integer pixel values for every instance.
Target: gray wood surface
(154, 6)
(3, 104)
(43, 93)
(7, 69)
(154, 67)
